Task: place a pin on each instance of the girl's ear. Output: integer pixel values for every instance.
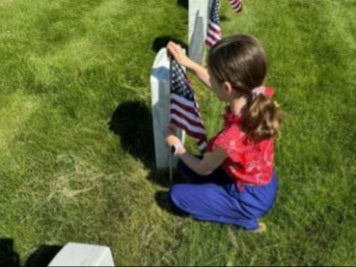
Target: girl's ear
(227, 87)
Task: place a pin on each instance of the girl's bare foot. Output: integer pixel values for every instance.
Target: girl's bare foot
(262, 227)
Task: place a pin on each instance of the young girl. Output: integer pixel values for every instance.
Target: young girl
(239, 183)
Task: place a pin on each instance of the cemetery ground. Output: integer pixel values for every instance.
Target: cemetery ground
(76, 148)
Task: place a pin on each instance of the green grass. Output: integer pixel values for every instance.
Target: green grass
(69, 67)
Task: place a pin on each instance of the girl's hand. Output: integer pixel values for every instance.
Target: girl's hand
(173, 141)
(178, 53)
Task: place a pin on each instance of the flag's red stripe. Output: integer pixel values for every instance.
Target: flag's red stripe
(214, 25)
(213, 29)
(236, 5)
(186, 108)
(209, 43)
(189, 132)
(238, 8)
(211, 40)
(214, 37)
(183, 116)
(192, 128)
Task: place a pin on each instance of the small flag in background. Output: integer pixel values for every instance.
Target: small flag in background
(184, 110)
(236, 5)
(214, 31)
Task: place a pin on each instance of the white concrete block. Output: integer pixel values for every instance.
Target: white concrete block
(76, 254)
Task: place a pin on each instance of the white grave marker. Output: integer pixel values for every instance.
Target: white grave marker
(160, 99)
(198, 22)
(75, 254)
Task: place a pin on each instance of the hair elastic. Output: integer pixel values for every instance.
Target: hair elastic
(258, 90)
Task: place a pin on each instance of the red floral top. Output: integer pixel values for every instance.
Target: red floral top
(248, 162)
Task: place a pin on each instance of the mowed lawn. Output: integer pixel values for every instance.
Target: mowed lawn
(76, 149)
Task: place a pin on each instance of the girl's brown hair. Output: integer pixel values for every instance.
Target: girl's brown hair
(241, 61)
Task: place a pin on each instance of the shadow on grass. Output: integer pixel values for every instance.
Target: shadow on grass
(162, 199)
(8, 256)
(132, 123)
(224, 18)
(183, 3)
(41, 257)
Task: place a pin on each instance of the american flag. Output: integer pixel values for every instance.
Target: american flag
(214, 31)
(184, 110)
(236, 5)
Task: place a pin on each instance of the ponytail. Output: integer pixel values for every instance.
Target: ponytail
(263, 118)
(241, 61)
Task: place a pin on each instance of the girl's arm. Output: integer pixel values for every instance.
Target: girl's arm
(205, 166)
(177, 52)
(208, 164)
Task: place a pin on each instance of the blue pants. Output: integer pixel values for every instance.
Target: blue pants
(215, 198)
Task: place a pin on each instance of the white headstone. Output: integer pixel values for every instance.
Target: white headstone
(76, 254)
(160, 99)
(198, 21)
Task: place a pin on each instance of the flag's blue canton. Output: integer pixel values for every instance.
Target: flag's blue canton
(180, 86)
(214, 16)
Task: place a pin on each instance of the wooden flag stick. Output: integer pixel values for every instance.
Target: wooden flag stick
(170, 166)
(170, 149)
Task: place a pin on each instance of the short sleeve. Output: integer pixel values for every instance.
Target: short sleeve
(230, 140)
